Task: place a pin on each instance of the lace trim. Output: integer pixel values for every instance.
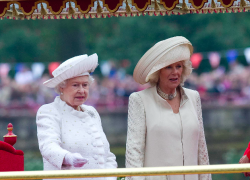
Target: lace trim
(203, 158)
(135, 147)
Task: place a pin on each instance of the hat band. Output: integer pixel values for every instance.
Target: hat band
(83, 74)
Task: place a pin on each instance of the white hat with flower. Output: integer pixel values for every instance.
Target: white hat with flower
(73, 67)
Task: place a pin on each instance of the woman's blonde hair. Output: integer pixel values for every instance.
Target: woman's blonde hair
(64, 83)
(187, 70)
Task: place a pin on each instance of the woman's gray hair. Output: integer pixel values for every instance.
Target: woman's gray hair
(187, 70)
(64, 83)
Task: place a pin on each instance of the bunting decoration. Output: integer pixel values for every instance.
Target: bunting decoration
(65, 9)
(37, 69)
(4, 70)
(19, 67)
(214, 59)
(52, 66)
(196, 59)
(247, 54)
(231, 56)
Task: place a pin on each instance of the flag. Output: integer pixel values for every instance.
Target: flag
(196, 59)
(214, 59)
(37, 69)
(231, 56)
(247, 54)
(52, 66)
(4, 70)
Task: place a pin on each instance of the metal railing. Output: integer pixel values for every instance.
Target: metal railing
(122, 172)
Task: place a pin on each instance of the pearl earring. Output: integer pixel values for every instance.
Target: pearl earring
(61, 93)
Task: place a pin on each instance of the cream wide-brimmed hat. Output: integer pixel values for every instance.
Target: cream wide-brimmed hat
(162, 54)
(73, 67)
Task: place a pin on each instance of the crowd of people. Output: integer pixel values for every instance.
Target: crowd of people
(221, 87)
(110, 93)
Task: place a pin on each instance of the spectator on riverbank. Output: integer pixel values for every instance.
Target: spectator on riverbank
(111, 93)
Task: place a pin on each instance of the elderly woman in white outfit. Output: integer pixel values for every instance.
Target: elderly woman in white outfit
(165, 126)
(70, 134)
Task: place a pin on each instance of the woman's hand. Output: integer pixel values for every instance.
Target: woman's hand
(74, 159)
(244, 159)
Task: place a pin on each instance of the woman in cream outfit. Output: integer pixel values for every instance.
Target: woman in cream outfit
(70, 134)
(165, 126)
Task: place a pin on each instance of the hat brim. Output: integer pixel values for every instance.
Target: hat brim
(154, 54)
(86, 65)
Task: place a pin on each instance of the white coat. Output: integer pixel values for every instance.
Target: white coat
(62, 129)
(157, 137)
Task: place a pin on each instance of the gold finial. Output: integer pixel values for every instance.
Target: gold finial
(71, 9)
(10, 137)
(243, 3)
(14, 12)
(157, 6)
(184, 6)
(213, 5)
(128, 9)
(99, 8)
(43, 10)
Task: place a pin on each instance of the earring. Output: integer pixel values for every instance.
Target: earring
(61, 93)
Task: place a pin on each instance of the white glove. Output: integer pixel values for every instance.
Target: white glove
(74, 159)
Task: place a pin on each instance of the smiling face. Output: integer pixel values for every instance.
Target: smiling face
(76, 91)
(170, 76)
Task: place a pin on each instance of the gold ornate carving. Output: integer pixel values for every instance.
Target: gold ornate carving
(128, 9)
(43, 10)
(172, 7)
(71, 9)
(157, 6)
(243, 3)
(99, 8)
(198, 7)
(5, 9)
(184, 6)
(89, 7)
(24, 12)
(213, 5)
(112, 10)
(144, 8)
(60, 10)
(14, 14)
(226, 6)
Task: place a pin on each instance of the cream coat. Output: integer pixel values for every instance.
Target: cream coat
(62, 129)
(158, 137)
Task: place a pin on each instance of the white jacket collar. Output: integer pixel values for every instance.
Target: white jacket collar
(65, 107)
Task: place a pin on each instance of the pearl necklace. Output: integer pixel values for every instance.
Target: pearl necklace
(166, 96)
